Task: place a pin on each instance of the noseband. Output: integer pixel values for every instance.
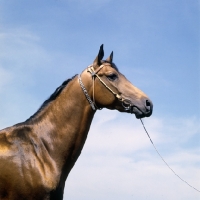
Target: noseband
(126, 103)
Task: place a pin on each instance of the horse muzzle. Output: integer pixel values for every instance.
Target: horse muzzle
(140, 111)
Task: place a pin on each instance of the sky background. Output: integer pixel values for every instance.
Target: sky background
(156, 46)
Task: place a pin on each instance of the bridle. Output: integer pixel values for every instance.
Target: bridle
(126, 103)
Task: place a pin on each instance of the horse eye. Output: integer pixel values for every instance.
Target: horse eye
(112, 77)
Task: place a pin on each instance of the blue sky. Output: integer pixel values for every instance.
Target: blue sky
(156, 46)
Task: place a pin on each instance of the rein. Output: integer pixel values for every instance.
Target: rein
(164, 160)
(126, 103)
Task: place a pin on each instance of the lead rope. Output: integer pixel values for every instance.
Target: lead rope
(165, 161)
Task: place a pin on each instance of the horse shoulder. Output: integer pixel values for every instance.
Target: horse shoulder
(25, 162)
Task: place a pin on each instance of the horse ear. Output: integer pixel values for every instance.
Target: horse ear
(99, 57)
(110, 58)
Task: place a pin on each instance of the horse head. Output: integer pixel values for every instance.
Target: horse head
(111, 89)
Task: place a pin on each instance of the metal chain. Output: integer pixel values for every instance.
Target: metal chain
(86, 93)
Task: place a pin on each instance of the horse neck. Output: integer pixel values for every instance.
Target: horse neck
(64, 123)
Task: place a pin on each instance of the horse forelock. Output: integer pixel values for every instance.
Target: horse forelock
(113, 65)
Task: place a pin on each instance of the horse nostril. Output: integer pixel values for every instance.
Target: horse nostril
(148, 106)
(148, 103)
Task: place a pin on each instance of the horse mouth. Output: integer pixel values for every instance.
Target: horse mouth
(139, 114)
(141, 111)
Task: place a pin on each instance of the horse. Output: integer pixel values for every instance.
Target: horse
(37, 155)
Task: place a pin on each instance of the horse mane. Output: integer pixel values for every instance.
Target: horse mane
(53, 96)
(59, 90)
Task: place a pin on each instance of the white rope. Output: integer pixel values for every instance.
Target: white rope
(165, 161)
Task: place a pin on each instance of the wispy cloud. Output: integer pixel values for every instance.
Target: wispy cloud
(119, 162)
(20, 49)
(20, 57)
